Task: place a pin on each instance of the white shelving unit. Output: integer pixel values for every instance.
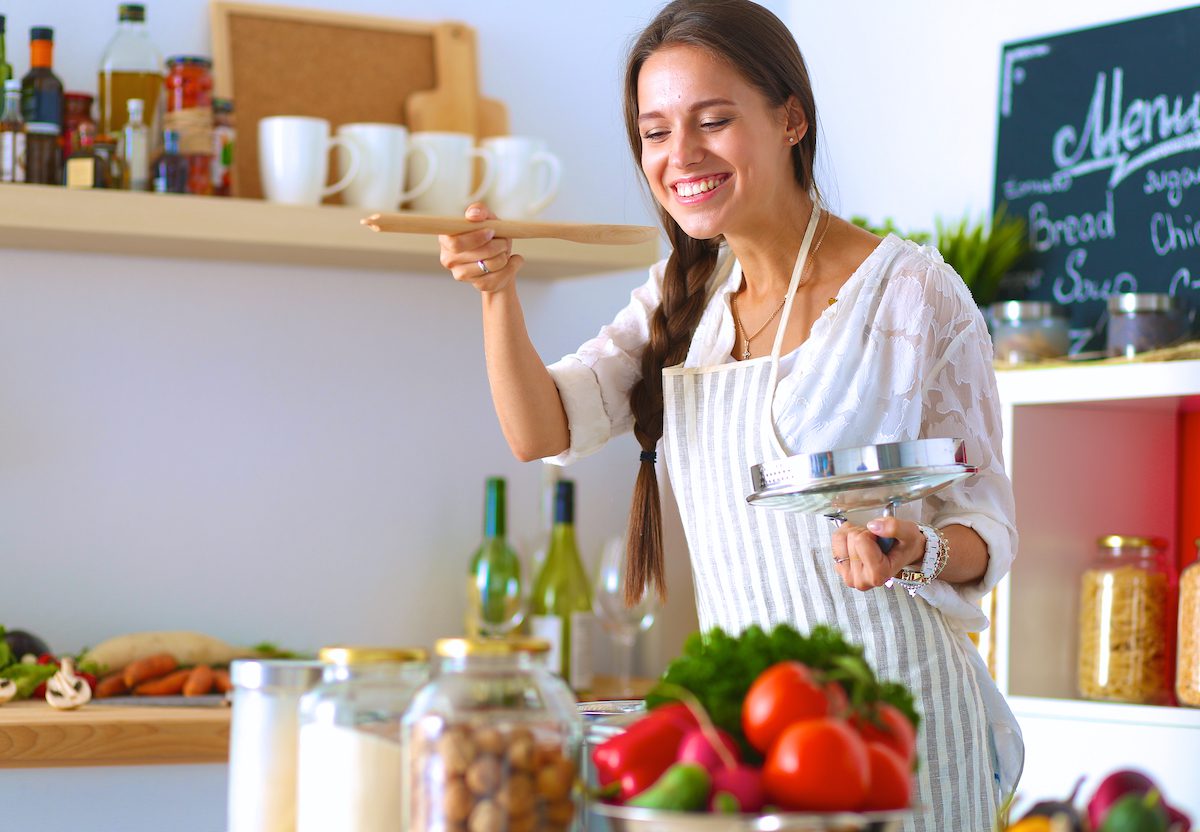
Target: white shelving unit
(1091, 451)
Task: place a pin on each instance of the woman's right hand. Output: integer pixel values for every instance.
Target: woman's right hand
(479, 257)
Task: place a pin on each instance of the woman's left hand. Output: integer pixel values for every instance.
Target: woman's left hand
(858, 559)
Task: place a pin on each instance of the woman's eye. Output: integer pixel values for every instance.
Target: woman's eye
(654, 135)
(714, 124)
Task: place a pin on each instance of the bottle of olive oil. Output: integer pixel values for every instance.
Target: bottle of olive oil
(560, 605)
(494, 603)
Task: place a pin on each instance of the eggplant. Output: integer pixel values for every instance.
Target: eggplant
(1060, 808)
(23, 643)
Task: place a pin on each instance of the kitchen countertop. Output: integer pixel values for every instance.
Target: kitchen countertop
(34, 735)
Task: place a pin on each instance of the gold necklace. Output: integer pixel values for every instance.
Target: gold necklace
(803, 277)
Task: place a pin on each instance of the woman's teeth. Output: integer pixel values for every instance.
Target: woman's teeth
(698, 186)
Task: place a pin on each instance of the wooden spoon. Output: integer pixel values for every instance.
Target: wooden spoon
(615, 235)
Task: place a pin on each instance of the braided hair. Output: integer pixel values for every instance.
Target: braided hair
(756, 44)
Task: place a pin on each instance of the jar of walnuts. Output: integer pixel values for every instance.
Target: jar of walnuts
(492, 743)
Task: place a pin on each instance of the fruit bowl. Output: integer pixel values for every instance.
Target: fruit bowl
(630, 819)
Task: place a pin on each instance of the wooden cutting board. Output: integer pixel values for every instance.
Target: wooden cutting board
(454, 103)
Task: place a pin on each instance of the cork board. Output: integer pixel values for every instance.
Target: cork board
(274, 60)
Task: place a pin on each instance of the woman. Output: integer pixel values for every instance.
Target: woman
(738, 350)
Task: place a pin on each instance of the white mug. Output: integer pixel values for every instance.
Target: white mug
(527, 176)
(293, 159)
(384, 150)
(451, 191)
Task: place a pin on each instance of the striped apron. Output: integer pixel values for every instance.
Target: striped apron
(765, 566)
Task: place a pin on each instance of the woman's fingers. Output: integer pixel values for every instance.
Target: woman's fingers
(479, 257)
(858, 559)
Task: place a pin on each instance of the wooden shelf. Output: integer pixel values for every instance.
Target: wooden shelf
(1135, 382)
(211, 228)
(34, 735)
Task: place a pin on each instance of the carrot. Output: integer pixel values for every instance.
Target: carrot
(168, 685)
(221, 682)
(151, 667)
(111, 685)
(199, 682)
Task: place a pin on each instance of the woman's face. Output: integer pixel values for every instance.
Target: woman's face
(714, 150)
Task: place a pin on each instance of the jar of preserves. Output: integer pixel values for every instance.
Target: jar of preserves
(1123, 623)
(1028, 330)
(1187, 664)
(77, 122)
(189, 112)
(350, 758)
(492, 743)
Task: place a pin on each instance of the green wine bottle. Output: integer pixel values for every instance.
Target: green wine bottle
(560, 605)
(494, 604)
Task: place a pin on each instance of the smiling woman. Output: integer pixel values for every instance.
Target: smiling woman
(776, 328)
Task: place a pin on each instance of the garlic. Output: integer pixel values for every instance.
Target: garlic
(8, 689)
(65, 690)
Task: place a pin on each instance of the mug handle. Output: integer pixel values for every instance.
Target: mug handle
(430, 172)
(355, 157)
(553, 176)
(489, 172)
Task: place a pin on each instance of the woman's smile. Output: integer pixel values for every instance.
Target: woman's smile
(698, 188)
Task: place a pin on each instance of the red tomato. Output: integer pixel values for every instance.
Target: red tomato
(818, 765)
(839, 703)
(891, 780)
(782, 694)
(891, 728)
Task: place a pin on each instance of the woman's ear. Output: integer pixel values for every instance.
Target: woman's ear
(797, 121)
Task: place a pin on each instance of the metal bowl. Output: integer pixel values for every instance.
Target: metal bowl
(630, 819)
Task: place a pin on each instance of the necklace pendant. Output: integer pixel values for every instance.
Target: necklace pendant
(746, 353)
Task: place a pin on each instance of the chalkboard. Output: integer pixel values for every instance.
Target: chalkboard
(1098, 147)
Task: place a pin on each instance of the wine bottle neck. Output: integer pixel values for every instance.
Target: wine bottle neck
(495, 510)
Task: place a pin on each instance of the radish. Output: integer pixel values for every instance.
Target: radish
(743, 784)
(696, 747)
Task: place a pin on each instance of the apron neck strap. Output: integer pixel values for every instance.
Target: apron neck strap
(814, 219)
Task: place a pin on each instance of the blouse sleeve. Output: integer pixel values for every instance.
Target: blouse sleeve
(594, 382)
(960, 400)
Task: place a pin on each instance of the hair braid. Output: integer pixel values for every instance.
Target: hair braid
(671, 327)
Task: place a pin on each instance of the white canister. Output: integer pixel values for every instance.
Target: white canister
(262, 742)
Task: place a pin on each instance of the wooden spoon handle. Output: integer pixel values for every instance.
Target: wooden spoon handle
(616, 235)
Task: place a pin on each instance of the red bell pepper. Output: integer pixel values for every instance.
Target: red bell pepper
(639, 756)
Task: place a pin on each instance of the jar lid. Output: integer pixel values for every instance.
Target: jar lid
(346, 655)
(259, 674)
(1132, 302)
(457, 648)
(1025, 310)
(189, 60)
(1122, 541)
(131, 12)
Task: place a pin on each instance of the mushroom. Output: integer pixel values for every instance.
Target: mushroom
(8, 689)
(65, 690)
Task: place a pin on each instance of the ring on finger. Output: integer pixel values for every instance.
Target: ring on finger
(483, 267)
(840, 560)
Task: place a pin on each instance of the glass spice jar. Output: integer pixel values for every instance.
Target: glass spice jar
(1141, 322)
(189, 112)
(1187, 662)
(1029, 330)
(350, 759)
(77, 121)
(492, 743)
(1122, 622)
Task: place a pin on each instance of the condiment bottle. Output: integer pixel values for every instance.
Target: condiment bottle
(1122, 622)
(131, 67)
(170, 172)
(491, 742)
(350, 757)
(135, 148)
(42, 109)
(189, 111)
(1187, 663)
(77, 117)
(12, 134)
(262, 742)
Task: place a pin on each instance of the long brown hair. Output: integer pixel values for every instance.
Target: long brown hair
(756, 44)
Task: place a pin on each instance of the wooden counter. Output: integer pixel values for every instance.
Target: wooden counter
(34, 735)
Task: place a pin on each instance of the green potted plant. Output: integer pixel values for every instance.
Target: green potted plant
(983, 255)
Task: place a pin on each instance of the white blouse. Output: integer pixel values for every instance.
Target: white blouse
(903, 354)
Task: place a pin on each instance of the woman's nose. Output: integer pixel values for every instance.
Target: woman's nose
(685, 149)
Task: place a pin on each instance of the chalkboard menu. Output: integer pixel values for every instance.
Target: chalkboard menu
(1098, 147)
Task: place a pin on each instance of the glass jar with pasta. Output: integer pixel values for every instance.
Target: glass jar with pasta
(1122, 622)
(1187, 668)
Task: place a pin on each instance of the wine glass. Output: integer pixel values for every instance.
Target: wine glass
(495, 604)
(621, 622)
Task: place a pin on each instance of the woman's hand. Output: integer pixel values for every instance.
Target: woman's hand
(479, 257)
(859, 560)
